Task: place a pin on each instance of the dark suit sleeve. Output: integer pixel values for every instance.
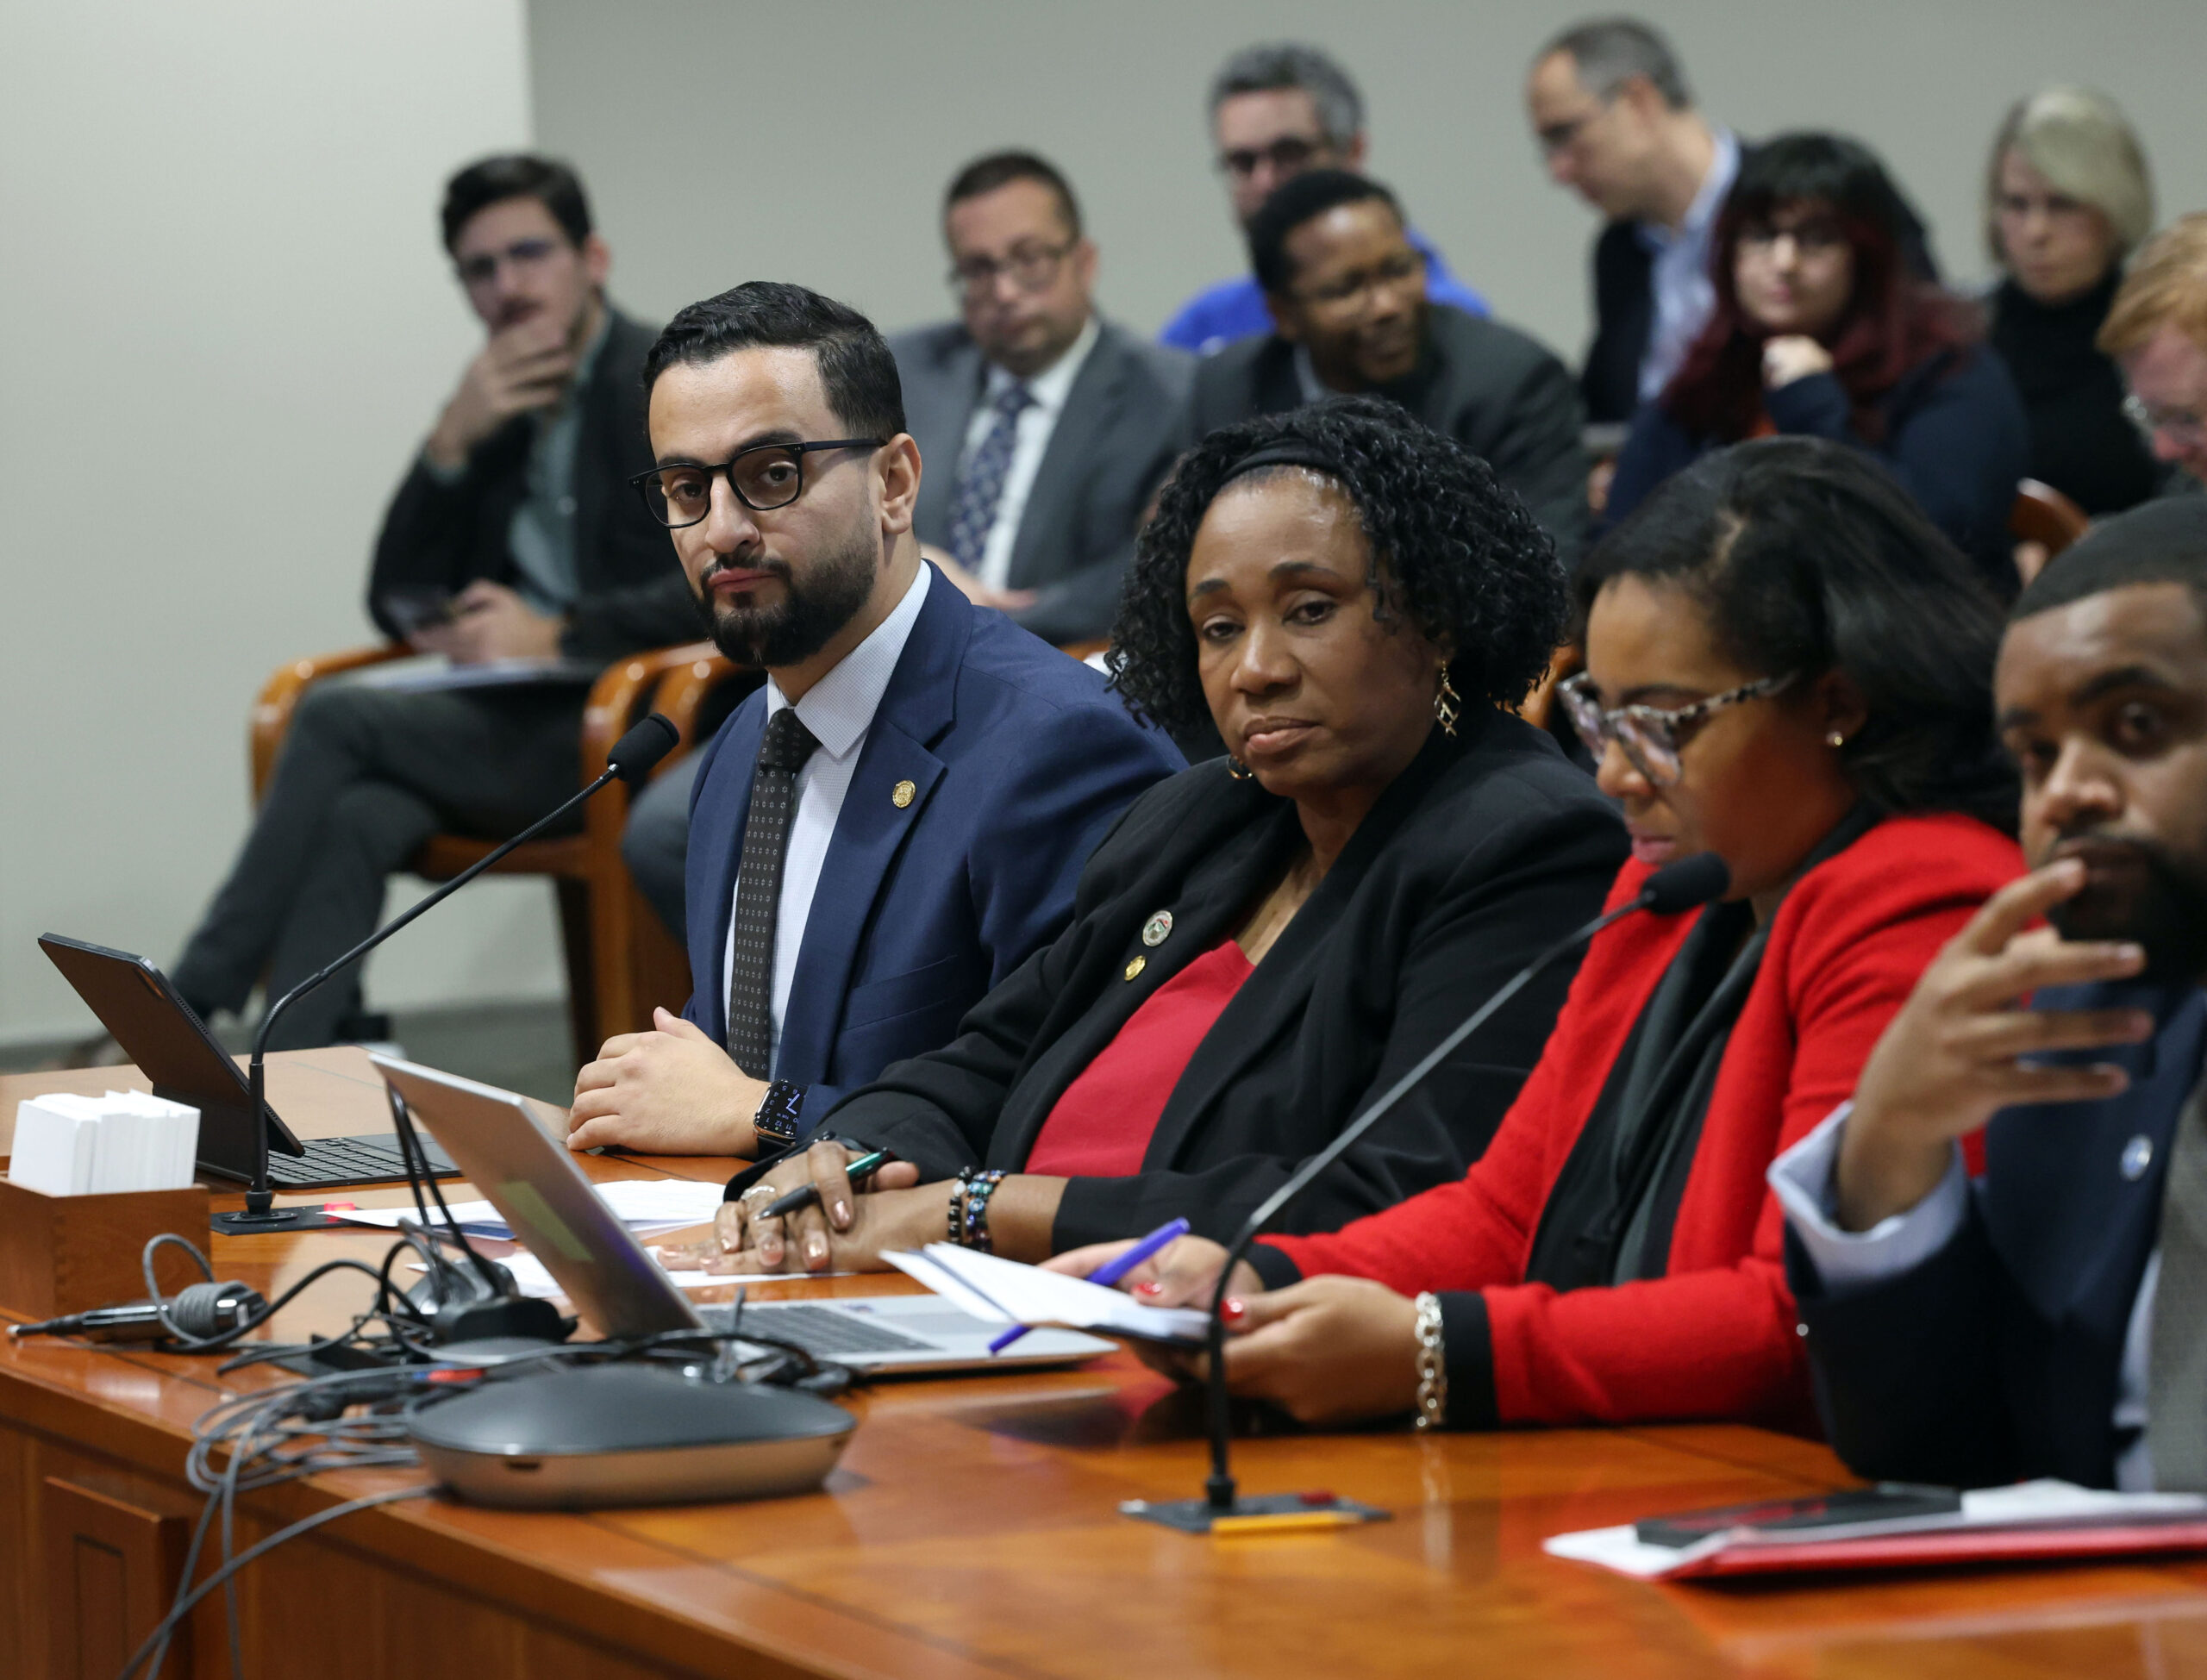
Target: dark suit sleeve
(1497, 913)
(610, 622)
(1907, 1372)
(1540, 453)
(1656, 448)
(429, 538)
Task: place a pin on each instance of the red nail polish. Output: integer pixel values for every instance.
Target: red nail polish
(1149, 1286)
(1234, 1311)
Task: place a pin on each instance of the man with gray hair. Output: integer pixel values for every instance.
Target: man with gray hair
(1616, 123)
(1276, 109)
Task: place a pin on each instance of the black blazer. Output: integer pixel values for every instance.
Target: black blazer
(1997, 1357)
(632, 592)
(1112, 446)
(1488, 847)
(1501, 394)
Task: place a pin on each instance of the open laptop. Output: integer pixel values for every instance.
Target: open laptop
(172, 1048)
(531, 1179)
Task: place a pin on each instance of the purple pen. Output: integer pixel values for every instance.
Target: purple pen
(1110, 1271)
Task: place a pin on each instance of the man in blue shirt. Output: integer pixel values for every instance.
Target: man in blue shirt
(1276, 109)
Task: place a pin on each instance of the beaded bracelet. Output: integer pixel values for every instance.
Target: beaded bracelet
(1432, 1365)
(958, 1188)
(978, 1189)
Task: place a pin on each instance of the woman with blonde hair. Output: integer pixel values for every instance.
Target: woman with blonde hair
(2067, 198)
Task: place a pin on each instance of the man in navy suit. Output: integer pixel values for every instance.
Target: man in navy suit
(897, 819)
(2051, 1318)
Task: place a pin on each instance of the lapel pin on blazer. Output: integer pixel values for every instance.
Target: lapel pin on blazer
(1155, 930)
(1136, 967)
(902, 795)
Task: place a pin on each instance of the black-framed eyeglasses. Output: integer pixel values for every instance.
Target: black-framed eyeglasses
(1652, 739)
(1287, 155)
(524, 253)
(1032, 268)
(1562, 136)
(765, 476)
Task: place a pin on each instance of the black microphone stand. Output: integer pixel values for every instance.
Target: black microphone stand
(632, 757)
(1690, 882)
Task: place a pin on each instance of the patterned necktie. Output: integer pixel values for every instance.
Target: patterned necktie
(974, 513)
(758, 890)
(2176, 1386)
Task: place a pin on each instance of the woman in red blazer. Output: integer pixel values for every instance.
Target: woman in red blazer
(1787, 665)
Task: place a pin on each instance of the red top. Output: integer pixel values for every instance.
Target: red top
(1101, 1126)
(1714, 1338)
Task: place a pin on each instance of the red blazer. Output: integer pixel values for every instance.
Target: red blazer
(1715, 1337)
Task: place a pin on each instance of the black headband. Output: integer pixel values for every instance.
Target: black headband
(1284, 451)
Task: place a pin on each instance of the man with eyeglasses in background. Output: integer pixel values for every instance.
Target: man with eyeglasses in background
(1048, 426)
(2156, 331)
(896, 820)
(1346, 291)
(1276, 109)
(512, 537)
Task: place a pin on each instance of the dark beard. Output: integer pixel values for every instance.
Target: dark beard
(2155, 899)
(833, 589)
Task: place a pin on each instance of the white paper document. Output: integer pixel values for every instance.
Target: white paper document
(68, 1144)
(433, 673)
(1000, 1291)
(646, 1206)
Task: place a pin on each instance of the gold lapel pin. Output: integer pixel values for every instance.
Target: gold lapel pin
(903, 795)
(1136, 967)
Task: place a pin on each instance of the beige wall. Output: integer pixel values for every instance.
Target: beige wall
(225, 322)
(734, 140)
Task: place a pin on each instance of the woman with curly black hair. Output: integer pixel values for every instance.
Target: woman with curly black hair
(1267, 939)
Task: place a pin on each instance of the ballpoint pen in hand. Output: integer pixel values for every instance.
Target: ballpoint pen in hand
(1110, 1271)
(807, 1196)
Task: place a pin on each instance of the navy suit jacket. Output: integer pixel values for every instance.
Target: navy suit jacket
(1019, 762)
(1997, 1358)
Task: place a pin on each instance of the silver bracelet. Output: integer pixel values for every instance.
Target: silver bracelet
(1432, 1365)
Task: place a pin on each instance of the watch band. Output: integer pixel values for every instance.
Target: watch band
(778, 1120)
(1432, 1365)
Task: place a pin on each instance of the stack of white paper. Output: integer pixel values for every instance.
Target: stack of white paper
(67, 1145)
(646, 1206)
(1001, 1291)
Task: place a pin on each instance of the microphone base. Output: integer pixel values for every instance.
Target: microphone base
(1254, 1513)
(250, 1223)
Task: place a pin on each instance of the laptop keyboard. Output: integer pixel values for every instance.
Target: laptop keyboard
(820, 1332)
(333, 1161)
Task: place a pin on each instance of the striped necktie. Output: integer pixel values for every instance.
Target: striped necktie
(980, 488)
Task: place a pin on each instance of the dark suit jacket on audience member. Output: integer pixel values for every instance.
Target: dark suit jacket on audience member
(632, 593)
(1487, 848)
(1997, 1358)
(1496, 392)
(1955, 438)
(1018, 761)
(1113, 444)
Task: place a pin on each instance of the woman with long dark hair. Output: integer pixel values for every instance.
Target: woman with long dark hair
(1788, 667)
(1822, 328)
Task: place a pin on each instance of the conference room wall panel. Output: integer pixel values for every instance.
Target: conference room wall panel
(226, 323)
(729, 139)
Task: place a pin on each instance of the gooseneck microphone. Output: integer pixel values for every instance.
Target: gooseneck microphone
(1684, 885)
(630, 761)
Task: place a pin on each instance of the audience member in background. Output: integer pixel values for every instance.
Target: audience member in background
(1049, 428)
(1268, 941)
(1822, 329)
(511, 537)
(1053, 428)
(2066, 198)
(1787, 666)
(1346, 289)
(896, 821)
(1617, 124)
(2156, 330)
(2045, 1320)
(1276, 111)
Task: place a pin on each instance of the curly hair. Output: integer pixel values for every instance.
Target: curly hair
(1453, 552)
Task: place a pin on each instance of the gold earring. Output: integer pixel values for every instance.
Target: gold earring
(1448, 705)
(1835, 741)
(1237, 770)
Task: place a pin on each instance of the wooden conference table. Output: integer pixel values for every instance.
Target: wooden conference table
(970, 1530)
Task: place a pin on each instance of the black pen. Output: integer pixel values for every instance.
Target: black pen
(808, 1195)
